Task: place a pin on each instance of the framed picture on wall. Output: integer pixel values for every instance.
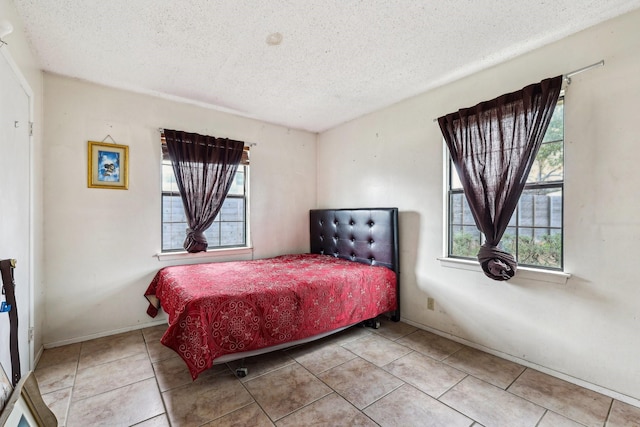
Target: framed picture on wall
(25, 407)
(108, 166)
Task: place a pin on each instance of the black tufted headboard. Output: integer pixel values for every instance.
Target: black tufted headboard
(367, 235)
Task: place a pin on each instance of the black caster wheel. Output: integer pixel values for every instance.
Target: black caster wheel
(371, 323)
(241, 372)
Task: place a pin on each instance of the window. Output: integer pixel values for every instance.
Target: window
(229, 229)
(534, 234)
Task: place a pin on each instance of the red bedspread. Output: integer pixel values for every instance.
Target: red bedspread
(222, 308)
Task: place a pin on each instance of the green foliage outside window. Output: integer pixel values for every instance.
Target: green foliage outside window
(544, 251)
(465, 245)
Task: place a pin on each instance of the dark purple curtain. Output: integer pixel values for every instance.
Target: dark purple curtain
(204, 167)
(493, 146)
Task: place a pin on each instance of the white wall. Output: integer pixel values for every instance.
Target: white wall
(589, 328)
(20, 53)
(100, 243)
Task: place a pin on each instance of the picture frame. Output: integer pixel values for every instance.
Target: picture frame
(5, 388)
(25, 407)
(108, 166)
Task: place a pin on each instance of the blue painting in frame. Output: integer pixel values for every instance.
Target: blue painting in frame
(108, 166)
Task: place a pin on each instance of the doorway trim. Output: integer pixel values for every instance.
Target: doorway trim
(4, 50)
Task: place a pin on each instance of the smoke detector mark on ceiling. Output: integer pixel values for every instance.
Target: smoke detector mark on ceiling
(274, 39)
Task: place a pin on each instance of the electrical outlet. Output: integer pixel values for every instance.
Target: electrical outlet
(430, 303)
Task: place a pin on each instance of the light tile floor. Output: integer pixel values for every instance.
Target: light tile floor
(394, 376)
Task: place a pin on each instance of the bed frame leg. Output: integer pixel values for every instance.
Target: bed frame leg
(371, 323)
(241, 371)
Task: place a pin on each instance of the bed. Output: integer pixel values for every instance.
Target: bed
(218, 312)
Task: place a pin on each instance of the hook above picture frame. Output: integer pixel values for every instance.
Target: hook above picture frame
(110, 137)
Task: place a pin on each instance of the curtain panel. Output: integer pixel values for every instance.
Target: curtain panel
(204, 167)
(493, 146)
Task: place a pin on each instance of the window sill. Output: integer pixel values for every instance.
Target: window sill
(527, 273)
(212, 253)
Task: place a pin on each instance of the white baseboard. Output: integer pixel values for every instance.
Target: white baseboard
(577, 381)
(104, 334)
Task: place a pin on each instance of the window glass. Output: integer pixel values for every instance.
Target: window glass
(549, 163)
(229, 229)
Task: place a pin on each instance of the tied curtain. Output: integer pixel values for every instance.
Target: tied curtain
(204, 167)
(493, 146)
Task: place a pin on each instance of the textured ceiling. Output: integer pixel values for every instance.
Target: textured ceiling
(338, 59)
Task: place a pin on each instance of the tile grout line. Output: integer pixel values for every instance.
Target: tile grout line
(155, 377)
(73, 387)
(606, 419)
(437, 399)
(357, 356)
(542, 417)
(450, 388)
(546, 411)
(244, 385)
(515, 379)
(361, 411)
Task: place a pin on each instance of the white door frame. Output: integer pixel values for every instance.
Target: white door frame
(27, 88)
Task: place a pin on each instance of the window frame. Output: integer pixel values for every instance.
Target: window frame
(176, 253)
(453, 260)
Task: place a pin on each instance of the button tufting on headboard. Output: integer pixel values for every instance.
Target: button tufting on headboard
(356, 233)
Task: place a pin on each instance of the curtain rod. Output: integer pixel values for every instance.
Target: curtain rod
(567, 76)
(250, 144)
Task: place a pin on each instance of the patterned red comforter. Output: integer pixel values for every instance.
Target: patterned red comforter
(222, 308)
